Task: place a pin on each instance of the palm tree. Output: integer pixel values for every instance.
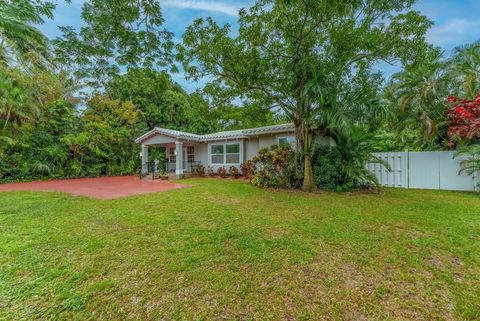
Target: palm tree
(355, 148)
(464, 70)
(340, 110)
(471, 162)
(417, 98)
(15, 103)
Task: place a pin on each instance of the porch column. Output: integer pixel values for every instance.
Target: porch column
(144, 159)
(179, 164)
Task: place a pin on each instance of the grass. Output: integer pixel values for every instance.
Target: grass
(225, 250)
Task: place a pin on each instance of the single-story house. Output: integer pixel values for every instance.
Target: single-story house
(227, 148)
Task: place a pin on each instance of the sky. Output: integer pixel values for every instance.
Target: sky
(456, 22)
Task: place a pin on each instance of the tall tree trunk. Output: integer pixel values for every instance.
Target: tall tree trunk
(307, 168)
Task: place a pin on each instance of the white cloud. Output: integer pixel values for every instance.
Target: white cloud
(459, 26)
(456, 31)
(203, 5)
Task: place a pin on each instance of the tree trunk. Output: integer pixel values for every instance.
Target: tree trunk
(307, 168)
(7, 118)
(307, 174)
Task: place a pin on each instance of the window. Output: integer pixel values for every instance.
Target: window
(233, 154)
(190, 154)
(171, 155)
(217, 154)
(287, 140)
(225, 153)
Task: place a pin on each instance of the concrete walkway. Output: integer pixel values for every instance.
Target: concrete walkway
(99, 187)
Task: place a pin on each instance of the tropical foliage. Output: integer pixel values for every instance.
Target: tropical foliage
(342, 166)
(72, 106)
(279, 166)
(284, 46)
(418, 97)
(464, 119)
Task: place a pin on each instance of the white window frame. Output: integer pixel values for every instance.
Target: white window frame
(292, 144)
(190, 154)
(227, 153)
(172, 157)
(210, 154)
(224, 144)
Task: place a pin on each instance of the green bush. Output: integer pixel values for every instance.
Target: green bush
(327, 168)
(343, 167)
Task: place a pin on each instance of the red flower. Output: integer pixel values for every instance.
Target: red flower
(464, 119)
(451, 99)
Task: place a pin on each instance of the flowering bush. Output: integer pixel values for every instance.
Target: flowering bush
(233, 171)
(199, 170)
(248, 168)
(464, 117)
(279, 167)
(210, 171)
(222, 172)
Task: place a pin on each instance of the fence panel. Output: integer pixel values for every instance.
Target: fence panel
(398, 162)
(423, 170)
(449, 177)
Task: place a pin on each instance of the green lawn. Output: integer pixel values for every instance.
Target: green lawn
(225, 250)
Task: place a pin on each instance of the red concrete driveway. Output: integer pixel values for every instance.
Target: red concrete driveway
(99, 187)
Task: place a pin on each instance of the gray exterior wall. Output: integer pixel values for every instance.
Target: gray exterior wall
(266, 141)
(251, 148)
(201, 153)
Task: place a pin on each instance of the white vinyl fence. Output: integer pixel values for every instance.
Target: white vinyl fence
(424, 170)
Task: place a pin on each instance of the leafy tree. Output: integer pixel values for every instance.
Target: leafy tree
(110, 126)
(163, 102)
(18, 35)
(116, 33)
(282, 45)
(231, 114)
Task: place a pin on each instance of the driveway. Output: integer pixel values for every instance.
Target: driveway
(98, 187)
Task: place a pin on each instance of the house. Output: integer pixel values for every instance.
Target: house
(228, 148)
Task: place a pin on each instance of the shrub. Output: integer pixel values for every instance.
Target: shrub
(248, 168)
(233, 171)
(327, 168)
(343, 167)
(464, 119)
(199, 169)
(222, 172)
(279, 167)
(210, 171)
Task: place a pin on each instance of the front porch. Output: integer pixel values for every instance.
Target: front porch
(180, 159)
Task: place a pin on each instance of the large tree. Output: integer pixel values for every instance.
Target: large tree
(115, 34)
(282, 46)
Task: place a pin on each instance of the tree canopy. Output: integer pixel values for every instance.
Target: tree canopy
(302, 56)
